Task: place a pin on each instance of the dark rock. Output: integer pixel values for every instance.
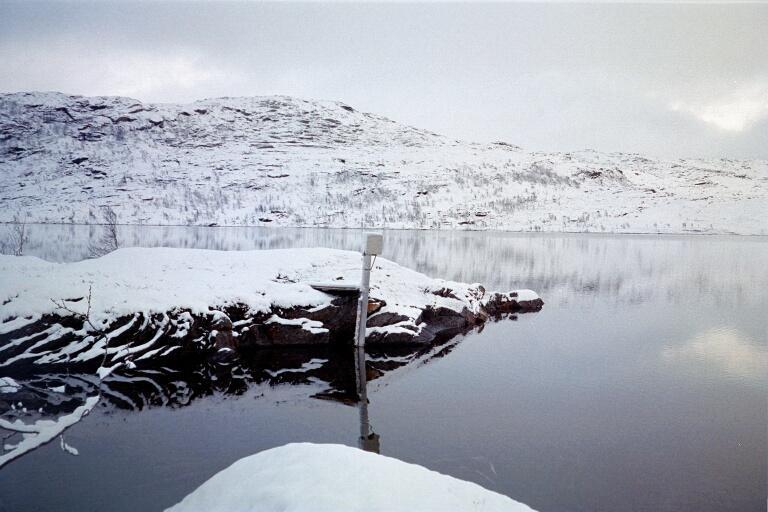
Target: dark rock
(385, 318)
(65, 111)
(221, 322)
(374, 305)
(445, 292)
(181, 335)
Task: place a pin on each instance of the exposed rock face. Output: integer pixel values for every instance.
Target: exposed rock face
(437, 324)
(181, 335)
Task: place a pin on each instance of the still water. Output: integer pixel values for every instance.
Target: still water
(641, 385)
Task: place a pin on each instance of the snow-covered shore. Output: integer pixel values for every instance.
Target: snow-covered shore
(328, 477)
(138, 304)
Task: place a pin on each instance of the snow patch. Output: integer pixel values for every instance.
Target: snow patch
(328, 477)
(313, 326)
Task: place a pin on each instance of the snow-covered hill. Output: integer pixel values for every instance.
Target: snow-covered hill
(286, 161)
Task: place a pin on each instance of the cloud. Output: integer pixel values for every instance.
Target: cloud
(145, 75)
(734, 111)
(652, 79)
(73, 67)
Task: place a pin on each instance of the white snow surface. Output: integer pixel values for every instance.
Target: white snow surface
(285, 161)
(159, 280)
(329, 477)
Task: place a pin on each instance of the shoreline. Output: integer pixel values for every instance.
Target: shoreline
(431, 229)
(196, 303)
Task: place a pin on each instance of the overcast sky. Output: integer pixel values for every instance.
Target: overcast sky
(667, 80)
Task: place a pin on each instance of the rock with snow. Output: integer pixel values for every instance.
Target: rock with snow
(135, 305)
(327, 477)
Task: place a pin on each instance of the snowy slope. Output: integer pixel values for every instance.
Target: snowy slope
(286, 161)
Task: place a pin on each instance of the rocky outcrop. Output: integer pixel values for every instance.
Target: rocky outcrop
(141, 340)
(438, 323)
(199, 305)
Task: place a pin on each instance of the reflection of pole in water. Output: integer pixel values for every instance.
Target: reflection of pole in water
(368, 440)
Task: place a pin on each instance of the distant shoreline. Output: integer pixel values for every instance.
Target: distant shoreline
(373, 228)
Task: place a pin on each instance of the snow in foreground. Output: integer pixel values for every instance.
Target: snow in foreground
(329, 477)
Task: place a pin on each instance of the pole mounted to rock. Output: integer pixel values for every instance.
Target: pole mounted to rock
(374, 244)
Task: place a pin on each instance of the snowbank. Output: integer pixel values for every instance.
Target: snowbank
(328, 477)
(146, 303)
(140, 280)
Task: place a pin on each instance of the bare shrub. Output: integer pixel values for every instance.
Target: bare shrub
(16, 237)
(108, 241)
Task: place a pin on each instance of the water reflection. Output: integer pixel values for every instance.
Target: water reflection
(368, 440)
(561, 267)
(729, 350)
(641, 383)
(339, 374)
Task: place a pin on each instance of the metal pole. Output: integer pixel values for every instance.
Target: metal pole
(362, 305)
(362, 394)
(368, 440)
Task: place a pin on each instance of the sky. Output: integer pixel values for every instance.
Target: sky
(668, 80)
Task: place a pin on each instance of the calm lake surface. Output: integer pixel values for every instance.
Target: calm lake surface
(641, 385)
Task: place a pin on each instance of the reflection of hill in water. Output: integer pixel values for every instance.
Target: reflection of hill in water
(625, 268)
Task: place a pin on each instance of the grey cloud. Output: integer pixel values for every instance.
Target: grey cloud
(544, 76)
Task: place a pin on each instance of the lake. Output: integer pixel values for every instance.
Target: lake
(640, 386)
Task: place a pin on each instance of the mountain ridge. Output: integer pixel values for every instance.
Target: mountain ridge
(285, 161)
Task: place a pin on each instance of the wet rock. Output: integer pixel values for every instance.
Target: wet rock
(374, 305)
(179, 335)
(500, 303)
(220, 321)
(385, 318)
